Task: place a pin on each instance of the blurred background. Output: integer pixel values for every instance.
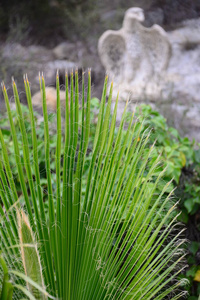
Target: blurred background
(63, 34)
(43, 36)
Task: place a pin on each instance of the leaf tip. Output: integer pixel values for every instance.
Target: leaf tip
(13, 82)
(3, 87)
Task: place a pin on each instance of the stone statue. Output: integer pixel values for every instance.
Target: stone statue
(135, 56)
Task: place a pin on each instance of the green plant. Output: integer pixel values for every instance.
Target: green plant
(39, 124)
(109, 240)
(29, 253)
(6, 288)
(181, 157)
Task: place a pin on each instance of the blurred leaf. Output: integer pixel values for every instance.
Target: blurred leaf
(193, 247)
(191, 272)
(183, 158)
(189, 205)
(197, 276)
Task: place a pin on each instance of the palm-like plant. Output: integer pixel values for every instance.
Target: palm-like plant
(108, 242)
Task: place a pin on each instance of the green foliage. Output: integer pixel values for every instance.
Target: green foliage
(39, 123)
(176, 152)
(101, 227)
(6, 288)
(182, 159)
(29, 253)
(4, 124)
(179, 155)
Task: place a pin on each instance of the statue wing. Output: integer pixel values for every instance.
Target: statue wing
(112, 51)
(158, 47)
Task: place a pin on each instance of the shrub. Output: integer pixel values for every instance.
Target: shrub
(182, 159)
(111, 238)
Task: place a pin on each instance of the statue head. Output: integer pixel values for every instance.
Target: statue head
(133, 15)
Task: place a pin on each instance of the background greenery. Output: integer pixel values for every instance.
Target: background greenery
(182, 157)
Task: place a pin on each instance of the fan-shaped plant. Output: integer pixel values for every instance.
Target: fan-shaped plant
(109, 240)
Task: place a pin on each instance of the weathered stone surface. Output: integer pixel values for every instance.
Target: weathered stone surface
(167, 77)
(134, 56)
(70, 51)
(65, 50)
(16, 60)
(184, 74)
